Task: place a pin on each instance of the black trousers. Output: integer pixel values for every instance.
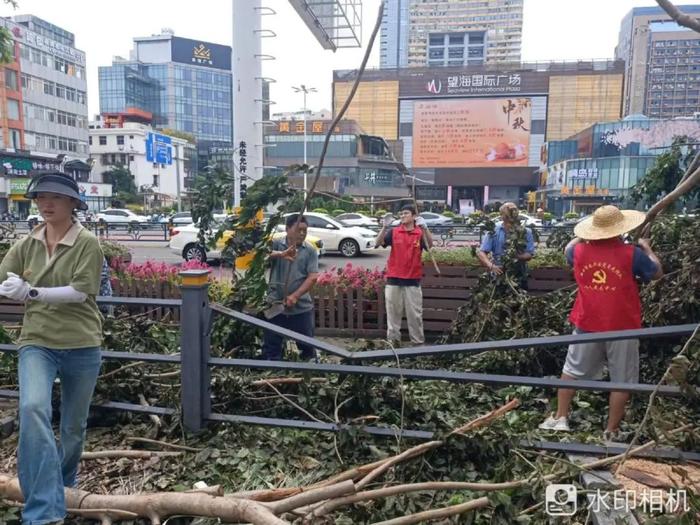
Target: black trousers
(302, 323)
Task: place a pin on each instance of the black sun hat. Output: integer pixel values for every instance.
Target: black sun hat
(55, 182)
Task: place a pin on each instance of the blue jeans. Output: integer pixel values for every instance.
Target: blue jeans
(44, 467)
(302, 323)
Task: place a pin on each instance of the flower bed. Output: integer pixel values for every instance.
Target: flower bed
(351, 277)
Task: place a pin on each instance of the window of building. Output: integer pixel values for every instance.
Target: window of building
(456, 49)
(15, 139)
(90, 140)
(120, 140)
(103, 140)
(11, 79)
(131, 158)
(49, 87)
(12, 109)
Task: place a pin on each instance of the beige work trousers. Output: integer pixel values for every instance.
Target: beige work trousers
(410, 299)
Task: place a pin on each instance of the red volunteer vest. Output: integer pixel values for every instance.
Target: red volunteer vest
(608, 296)
(405, 257)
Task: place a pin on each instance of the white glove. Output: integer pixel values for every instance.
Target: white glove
(388, 219)
(420, 222)
(15, 287)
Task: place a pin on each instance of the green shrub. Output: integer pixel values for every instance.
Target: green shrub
(450, 214)
(571, 215)
(547, 216)
(364, 212)
(320, 210)
(381, 213)
(338, 212)
(114, 250)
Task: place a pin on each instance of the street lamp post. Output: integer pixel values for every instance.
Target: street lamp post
(305, 90)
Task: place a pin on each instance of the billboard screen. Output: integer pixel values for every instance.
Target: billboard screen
(470, 133)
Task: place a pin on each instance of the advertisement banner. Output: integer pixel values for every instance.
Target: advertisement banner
(471, 133)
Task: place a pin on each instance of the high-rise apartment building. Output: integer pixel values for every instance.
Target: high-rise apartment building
(44, 90)
(454, 33)
(662, 63)
(185, 84)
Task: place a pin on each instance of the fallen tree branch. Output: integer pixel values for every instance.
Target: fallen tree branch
(155, 419)
(425, 447)
(446, 512)
(652, 398)
(163, 444)
(121, 369)
(288, 381)
(131, 454)
(679, 16)
(160, 505)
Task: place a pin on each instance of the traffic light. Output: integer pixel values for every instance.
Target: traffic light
(244, 190)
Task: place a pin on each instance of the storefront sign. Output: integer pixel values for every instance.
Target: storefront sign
(21, 167)
(90, 189)
(432, 83)
(19, 186)
(583, 174)
(48, 45)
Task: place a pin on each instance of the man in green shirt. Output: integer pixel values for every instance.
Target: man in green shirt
(55, 271)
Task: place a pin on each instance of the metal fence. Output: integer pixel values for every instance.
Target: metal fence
(142, 231)
(195, 361)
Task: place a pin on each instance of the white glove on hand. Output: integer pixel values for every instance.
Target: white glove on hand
(388, 219)
(15, 287)
(420, 222)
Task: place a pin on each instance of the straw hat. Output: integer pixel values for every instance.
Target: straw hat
(608, 222)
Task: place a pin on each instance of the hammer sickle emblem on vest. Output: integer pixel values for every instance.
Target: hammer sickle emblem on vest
(599, 277)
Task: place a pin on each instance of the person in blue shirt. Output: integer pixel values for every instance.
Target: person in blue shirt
(493, 244)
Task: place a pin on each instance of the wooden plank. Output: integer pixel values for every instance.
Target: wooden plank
(340, 305)
(447, 271)
(438, 315)
(445, 293)
(360, 309)
(547, 286)
(562, 274)
(366, 333)
(331, 312)
(442, 304)
(350, 309)
(449, 282)
(321, 309)
(381, 311)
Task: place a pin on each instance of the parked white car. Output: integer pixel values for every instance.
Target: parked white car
(357, 219)
(120, 216)
(36, 219)
(184, 241)
(431, 219)
(183, 217)
(350, 241)
(530, 220)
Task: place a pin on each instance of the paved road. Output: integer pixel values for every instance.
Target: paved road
(143, 251)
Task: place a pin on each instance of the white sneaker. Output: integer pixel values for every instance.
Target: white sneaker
(558, 425)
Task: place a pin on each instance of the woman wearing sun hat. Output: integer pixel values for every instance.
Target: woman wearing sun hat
(55, 270)
(605, 268)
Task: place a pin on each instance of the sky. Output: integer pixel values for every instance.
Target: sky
(552, 30)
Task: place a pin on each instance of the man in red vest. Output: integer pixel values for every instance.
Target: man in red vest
(404, 272)
(605, 269)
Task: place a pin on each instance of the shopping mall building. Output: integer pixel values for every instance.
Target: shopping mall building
(472, 137)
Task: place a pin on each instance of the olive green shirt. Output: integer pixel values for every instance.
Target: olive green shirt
(77, 262)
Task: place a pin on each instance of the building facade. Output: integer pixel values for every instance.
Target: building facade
(185, 84)
(44, 92)
(357, 165)
(601, 163)
(662, 73)
(476, 134)
(450, 33)
(158, 162)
